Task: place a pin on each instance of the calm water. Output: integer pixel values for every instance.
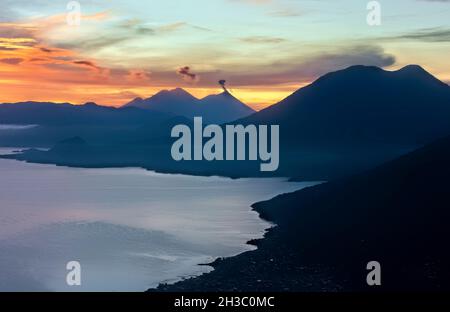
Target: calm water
(129, 228)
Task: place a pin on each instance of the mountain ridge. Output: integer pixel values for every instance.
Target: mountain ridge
(214, 108)
(345, 122)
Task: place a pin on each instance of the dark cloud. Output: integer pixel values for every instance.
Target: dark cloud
(201, 28)
(87, 63)
(311, 68)
(66, 68)
(96, 43)
(135, 27)
(15, 31)
(46, 50)
(7, 48)
(38, 59)
(426, 35)
(142, 30)
(12, 61)
(289, 71)
(187, 75)
(295, 70)
(138, 75)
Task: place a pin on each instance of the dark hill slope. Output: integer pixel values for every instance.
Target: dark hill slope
(397, 214)
(352, 119)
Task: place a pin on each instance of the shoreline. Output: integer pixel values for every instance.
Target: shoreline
(315, 278)
(19, 157)
(326, 235)
(214, 262)
(158, 171)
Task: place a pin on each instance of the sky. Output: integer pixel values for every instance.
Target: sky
(264, 49)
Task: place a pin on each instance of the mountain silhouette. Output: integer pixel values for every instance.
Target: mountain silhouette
(223, 107)
(354, 118)
(176, 101)
(97, 124)
(217, 109)
(47, 113)
(361, 103)
(345, 122)
(396, 214)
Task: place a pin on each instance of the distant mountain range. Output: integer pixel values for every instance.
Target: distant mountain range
(176, 101)
(63, 114)
(345, 122)
(97, 124)
(164, 105)
(218, 108)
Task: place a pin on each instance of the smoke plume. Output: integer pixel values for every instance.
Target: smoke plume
(185, 72)
(222, 84)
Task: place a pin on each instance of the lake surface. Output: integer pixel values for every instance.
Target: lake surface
(129, 228)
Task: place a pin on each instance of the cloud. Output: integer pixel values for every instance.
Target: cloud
(122, 33)
(69, 66)
(17, 43)
(171, 27)
(46, 50)
(321, 64)
(7, 48)
(12, 61)
(287, 72)
(37, 59)
(94, 43)
(16, 36)
(293, 71)
(138, 75)
(426, 35)
(262, 40)
(187, 75)
(88, 64)
(11, 30)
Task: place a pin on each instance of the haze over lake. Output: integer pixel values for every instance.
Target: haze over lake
(129, 228)
(16, 127)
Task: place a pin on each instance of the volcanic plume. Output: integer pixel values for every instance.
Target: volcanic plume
(222, 84)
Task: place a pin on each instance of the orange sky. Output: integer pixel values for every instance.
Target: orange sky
(33, 69)
(120, 52)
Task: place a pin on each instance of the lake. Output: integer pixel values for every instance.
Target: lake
(130, 229)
